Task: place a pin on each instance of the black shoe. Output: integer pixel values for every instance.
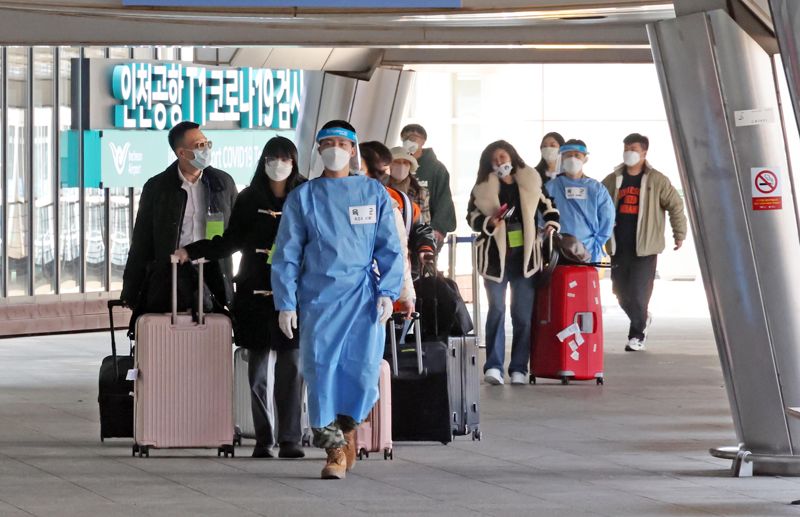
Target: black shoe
(261, 451)
(291, 450)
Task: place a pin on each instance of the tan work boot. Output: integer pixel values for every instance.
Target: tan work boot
(336, 467)
(350, 449)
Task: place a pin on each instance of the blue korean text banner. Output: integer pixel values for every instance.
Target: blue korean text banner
(338, 4)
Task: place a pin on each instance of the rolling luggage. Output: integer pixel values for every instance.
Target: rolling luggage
(434, 387)
(183, 392)
(567, 335)
(115, 392)
(375, 432)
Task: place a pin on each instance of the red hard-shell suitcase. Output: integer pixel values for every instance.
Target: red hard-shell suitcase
(375, 433)
(567, 331)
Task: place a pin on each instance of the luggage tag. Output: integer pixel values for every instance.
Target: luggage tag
(215, 224)
(515, 237)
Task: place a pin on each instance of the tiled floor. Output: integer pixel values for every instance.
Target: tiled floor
(634, 447)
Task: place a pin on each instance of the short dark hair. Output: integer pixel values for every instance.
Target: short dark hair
(339, 123)
(375, 155)
(414, 128)
(176, 133)
(636, 138)
(485, 168)
(575, 141)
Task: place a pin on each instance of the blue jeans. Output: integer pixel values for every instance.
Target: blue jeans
(523, 293)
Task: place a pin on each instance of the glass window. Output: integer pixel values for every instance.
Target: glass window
(119, 53)
(119, 234)
(44, 259)
(96, 229)
(18, 174)
(69, 231)
(94, 209)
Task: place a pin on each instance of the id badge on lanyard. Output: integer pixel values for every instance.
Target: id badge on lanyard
(215, 224)
(515, 237)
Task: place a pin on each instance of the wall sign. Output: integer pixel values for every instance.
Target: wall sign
(340, 4)
(766, 188)
(159, 95)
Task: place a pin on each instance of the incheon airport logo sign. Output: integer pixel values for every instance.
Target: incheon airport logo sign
(158, 96)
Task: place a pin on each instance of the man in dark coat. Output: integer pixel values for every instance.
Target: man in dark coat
(187, 202)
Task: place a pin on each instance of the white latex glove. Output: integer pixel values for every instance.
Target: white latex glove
(385, 309)
(287, 320)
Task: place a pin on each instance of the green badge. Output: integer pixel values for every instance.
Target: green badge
(215, 225)
(515, 238)
(271, 253)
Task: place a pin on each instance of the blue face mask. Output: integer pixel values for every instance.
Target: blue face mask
(202, 158)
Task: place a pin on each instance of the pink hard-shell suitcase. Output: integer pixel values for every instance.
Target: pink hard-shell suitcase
(375, 433)
(183, 389)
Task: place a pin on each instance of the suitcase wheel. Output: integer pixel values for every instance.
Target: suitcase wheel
(600, 381)
(227, 450)
(565, 380)
(533, 379)
(134, 450)
(477, 435)
(363, 453)
(237, 440)
(388, 454)
(144, 451)
(306, 440)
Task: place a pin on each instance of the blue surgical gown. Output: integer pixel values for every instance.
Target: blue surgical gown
(334, 233)
(586, 211)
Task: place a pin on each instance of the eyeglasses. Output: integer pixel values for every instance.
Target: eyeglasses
(201, 146)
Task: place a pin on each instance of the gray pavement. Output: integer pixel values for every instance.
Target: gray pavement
(634, 447)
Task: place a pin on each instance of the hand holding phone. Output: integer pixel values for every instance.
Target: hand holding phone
(501, 212)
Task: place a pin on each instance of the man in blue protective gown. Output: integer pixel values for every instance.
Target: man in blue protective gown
(336, 269)
(586, 208)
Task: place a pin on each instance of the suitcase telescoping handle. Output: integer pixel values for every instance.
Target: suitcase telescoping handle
(200, 315)
(453, 241)
(393, 339)
(111, 305)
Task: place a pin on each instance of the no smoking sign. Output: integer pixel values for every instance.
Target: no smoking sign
(766, 187)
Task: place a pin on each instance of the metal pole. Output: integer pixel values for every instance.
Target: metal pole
(452, 242)
(476, 293)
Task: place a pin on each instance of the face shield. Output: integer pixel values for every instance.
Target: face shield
(340, 132)
(567, 148)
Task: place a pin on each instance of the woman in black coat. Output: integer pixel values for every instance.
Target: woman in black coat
(252, 229)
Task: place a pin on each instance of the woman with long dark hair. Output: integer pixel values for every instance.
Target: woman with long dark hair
(548, 165)
(503, 208)
(252, 230)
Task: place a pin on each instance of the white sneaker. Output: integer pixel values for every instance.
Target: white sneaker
(493, 376)
(648, 322)
(519, 378)
(634, 345)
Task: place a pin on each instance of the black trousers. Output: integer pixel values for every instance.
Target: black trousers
(632, 279)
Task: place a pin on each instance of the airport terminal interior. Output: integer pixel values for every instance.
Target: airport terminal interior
(703, 421)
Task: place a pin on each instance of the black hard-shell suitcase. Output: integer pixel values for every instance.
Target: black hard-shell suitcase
(434, 386)
(115, 393)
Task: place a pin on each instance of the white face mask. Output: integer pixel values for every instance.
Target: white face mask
(335, 158)
(572, 165)
(631, 158)
(550, 154)
(278, 170)
(503, 170)
(410, 146)
(400, 171)
(202, 158)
